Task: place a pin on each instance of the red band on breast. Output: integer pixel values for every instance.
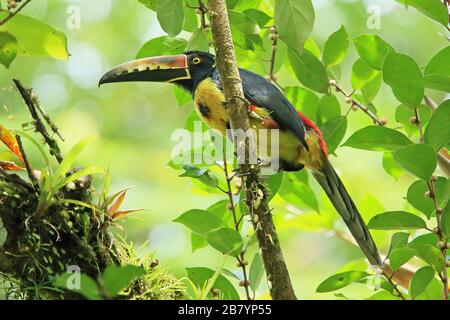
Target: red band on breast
(309, 124)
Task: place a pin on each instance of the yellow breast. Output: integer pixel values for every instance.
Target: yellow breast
(209, 105)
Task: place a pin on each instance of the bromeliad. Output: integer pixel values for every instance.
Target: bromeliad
(301, 144)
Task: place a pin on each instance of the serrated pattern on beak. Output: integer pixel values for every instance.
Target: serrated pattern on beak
(136, 68)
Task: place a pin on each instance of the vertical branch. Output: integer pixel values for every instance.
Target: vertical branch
(40, 127)
(433, 196)
(241, 258)
(256, 194)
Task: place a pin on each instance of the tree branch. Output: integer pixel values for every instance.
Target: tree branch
(35, 109)
(354, 103)
(256, 194)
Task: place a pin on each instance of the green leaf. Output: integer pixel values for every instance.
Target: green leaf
(383, 295)
(183, 97)
(260, 17)
(391, 167)
(295, 21)
(426, 238)
(396, 220)
(436, 82)
(117, 278)
(309, 70)
(198, 41)
(440, 63)
(445, 221)
(244, 30)
(202, 174)
(274, 182)
(372, 50)
(399, 256)
(312, 47)
(199, 275)
(437, 133)
(420, 281)
(416, 197)
(242, 4)
(335, 47)
(162, 46)
(88, 286)
(404, 115)
(296, 191)
(419, 159)
(434, 9)
(341, 280)
(430, 254)
(377, 138)
(433, 291)
(303, 100)
(401, 73)
(199, 221)
(35, 38)
(333, 132)
(256, 272)
(170, 15)
(398, 239)
(8, 48)
(70, 159)
(362, 74)
(226, 240)
(327, 109)
(190, 19)
(370, 89)
(197, 241)
(151, 4)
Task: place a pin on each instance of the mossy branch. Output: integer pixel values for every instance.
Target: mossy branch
(256, 193)
(73, 230)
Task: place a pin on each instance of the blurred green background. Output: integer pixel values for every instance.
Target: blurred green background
(134, 123)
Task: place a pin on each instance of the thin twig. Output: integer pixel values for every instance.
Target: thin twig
(39, 125)
(241, 258)
(349, 98)
(393, 284)
(203, 12)
(419, 124)
(430, 103)
(47, 118)
(12, 14)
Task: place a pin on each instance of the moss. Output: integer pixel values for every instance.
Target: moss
(67, 234)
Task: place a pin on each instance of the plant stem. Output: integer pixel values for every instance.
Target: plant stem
(256, 194)
(12, 14)
(241, 258)
(432, 190)
(356, 103)
(31, 103)
(394, 285)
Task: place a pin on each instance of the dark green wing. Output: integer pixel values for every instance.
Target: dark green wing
(261, 93)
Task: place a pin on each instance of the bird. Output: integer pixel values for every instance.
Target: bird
(301, 143)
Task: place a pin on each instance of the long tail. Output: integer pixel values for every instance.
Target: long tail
(341, 200)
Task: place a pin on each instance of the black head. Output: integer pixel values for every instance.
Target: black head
(186, 70)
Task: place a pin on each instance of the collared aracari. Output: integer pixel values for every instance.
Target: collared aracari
(300, 141)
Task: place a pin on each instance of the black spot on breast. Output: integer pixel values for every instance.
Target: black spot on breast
(204, 110)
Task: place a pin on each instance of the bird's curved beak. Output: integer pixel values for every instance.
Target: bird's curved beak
(155, 69)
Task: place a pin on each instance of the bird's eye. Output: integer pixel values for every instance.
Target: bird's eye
(196, 60)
